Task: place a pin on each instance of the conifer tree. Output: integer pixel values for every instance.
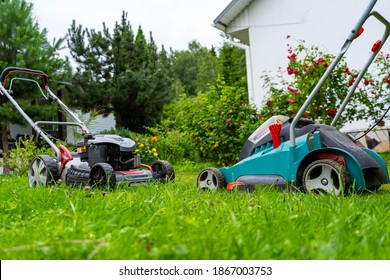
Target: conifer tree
(23, 44)
(120, 72)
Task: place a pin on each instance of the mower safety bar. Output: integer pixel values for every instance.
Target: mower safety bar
(352, 36)
(9, 70)
(374, 51)
(40, 133)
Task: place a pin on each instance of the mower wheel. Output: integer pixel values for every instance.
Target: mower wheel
(102, 174)
(42, 171)
(165, 169)
(326, 175)
(211, 178)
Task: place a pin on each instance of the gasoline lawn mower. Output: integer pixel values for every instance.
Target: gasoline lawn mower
(100, 160)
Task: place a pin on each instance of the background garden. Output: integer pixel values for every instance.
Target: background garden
(191, 108)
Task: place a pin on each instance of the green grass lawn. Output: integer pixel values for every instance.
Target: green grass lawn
(177, 221)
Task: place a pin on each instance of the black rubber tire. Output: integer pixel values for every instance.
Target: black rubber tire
(325, 175)
(102, 175)
(211, 178)
(77, 176)
(43, 171)
(165, 169)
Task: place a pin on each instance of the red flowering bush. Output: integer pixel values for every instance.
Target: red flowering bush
(305, 68)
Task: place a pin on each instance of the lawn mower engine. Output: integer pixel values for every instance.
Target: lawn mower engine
(112, 149)
(102, 156)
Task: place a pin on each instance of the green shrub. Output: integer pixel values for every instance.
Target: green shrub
(217, 122)
(173, 145)
(20, 157)
(147, 148)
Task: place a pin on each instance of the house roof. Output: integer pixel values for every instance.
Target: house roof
(234, 8)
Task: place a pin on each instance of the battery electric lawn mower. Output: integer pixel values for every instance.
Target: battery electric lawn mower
(296, 153)
(100, 159)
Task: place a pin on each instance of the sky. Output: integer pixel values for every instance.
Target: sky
(173, 23)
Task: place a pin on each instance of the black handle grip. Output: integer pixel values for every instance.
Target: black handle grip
(9, 70)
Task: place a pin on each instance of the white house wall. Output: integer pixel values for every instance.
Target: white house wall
(321, 23)
(18, 130)
(95, 126)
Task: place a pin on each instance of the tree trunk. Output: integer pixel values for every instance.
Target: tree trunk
(4, 135)
(118, 120)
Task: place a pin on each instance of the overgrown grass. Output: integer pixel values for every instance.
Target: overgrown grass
(177, 221)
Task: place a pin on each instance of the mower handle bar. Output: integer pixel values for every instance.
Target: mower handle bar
(366, 14)
(3, 78)
(9, 70)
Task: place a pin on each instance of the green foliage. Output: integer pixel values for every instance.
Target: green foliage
(24, 45)
(195, 68)
(232, 65)
(174, 145)
(146, 147)
(122, 73)
(386, 156)
(305, 68)
(198, 67)
(177, 221)
(217, 121)
(20, 157)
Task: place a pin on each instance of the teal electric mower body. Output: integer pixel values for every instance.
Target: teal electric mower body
(296, 153)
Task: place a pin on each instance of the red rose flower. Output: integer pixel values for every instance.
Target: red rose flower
(346, 70)
(291, 101)
(293, 90)
(320, 60)
(292, 57)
